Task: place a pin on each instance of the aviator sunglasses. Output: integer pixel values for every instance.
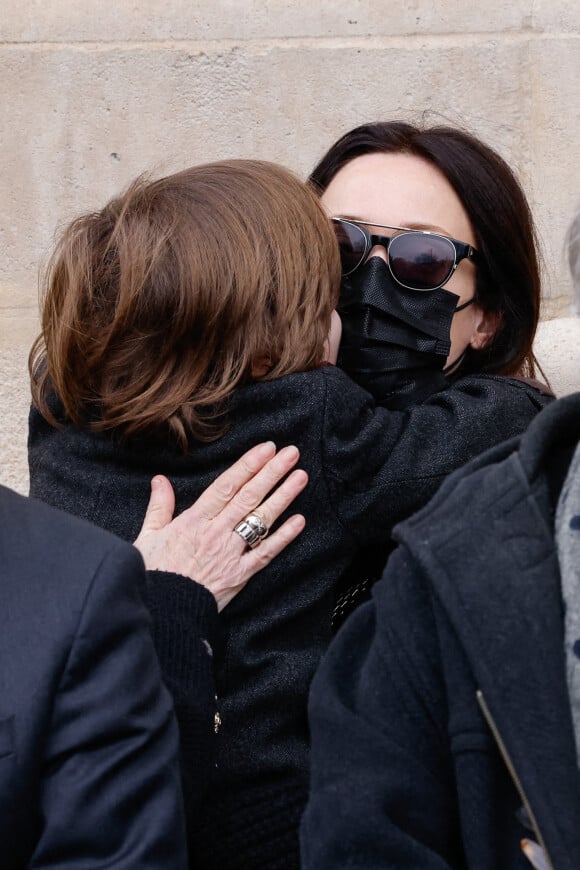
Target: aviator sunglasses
(417, 259)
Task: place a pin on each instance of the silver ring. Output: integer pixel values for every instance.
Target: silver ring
(252, 530)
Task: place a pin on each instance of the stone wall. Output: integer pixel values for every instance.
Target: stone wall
(93, 94)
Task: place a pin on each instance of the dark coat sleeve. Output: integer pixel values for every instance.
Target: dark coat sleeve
(382, 788)
(185, 633)
(111, 795)
(381, 465)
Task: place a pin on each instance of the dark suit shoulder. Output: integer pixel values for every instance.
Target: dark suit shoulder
(45, 551)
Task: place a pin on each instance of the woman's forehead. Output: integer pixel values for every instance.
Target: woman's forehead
(398, 189)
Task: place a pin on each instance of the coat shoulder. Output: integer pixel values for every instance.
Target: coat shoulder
(46, 551)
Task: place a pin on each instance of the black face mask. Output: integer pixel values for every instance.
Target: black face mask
(395, 341)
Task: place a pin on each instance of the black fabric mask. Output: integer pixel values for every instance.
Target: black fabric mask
(395, 341)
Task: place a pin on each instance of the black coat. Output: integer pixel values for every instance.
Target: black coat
(369, 468)
(89, 773)
(441, 725)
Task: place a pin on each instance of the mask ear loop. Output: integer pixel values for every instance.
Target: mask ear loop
(457, 362)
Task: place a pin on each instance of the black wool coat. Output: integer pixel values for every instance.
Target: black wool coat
(368, 469)
(441, 726)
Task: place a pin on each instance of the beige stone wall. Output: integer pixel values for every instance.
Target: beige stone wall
(94, 93)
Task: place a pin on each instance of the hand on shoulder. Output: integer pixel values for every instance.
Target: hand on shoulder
(202, 544)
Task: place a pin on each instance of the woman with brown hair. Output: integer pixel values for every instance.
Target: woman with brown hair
(186, 321)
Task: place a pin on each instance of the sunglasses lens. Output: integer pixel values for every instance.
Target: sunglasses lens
(421, 261)
(352, 244)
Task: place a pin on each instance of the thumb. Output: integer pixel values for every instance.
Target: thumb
(161, 506)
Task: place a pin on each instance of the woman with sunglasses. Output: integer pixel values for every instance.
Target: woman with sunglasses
(445, 717)
(441, 286)
(186, 321)
(446, 215)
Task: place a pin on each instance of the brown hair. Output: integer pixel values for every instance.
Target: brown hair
(508, 275)
(157, 307)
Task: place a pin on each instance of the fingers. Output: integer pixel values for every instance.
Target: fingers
(250, 496)
(256, 559)
(282, 497)
(253, 561)
(161, 506)
(225, 487)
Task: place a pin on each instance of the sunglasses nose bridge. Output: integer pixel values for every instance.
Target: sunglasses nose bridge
(378, 250)
(377, 246)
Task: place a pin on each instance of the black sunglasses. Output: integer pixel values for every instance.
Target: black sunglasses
(417, 259)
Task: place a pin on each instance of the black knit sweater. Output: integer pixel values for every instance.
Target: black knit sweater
(185, 630)
(368, 469)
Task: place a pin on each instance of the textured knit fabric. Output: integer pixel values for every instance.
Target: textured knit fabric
(185, 631)
(568, 540)
(368, 468)
(456, 665)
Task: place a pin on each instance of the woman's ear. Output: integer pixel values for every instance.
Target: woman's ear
(486, 325)
(261, 366)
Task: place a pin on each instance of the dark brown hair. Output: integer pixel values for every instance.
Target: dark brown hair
(508, 275)
(157, 307)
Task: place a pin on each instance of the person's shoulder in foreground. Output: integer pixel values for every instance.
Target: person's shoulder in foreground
(440, 718)
(88, 745)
